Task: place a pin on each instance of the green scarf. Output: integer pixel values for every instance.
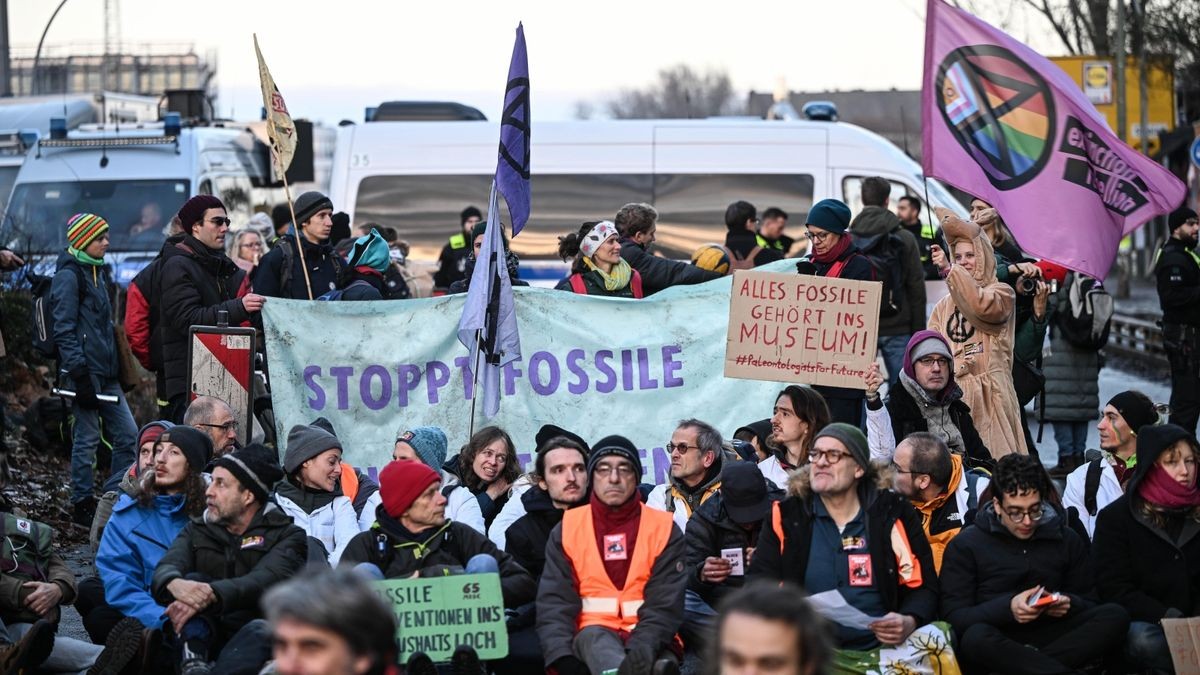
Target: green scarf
(85, 259)
(618, 279)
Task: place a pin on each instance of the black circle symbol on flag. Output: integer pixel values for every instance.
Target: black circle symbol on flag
(1000, 110)
(516, 114)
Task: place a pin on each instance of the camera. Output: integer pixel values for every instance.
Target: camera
(1026, 285)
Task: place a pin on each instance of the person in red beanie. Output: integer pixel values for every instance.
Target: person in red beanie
(411, 535)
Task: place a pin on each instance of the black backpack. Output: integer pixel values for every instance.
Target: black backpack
(41, 323)
(884, 251)
(1084, 312)
(288, 244)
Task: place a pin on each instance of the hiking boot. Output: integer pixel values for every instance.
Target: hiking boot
(665, 666)
(420, 664)
(83, 511)
(194, 659)
(120, 649)
(465, 661)
(1066, 464)
(149, 652)
(26, 654)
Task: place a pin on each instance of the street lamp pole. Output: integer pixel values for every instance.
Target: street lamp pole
(37, 56)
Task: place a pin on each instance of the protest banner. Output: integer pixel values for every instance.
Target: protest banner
(596, 366)
(437, 614)
(802, 328)
(1183, 638)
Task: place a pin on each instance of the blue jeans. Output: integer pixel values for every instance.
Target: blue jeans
(699, 621)
(482, 564)
(891, 348)
(1071, 438)
(1146, 647)
(119, 429)
(68, 656)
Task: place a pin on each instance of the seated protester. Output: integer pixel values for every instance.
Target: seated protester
(144, 524)
(925, 398)
(697, 456)
(727, 523)
(1146, 552)
(597, 267)
(800, 412)
(428, 446)
(756, 434)
(511, 261)
(841, 529)
(560, 473)
(770, 628)
(611, 594)
(514, 508)
(411, 536)
(362, 277)
(637, 224)
(487, 466)
(1100, 481)
(939, 487)
(147, 435)
(1020, 551)
(311, 494)
(215, 418)
(355, 484)
(214, 574)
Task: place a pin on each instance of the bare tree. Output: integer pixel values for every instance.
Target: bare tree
(680, 92)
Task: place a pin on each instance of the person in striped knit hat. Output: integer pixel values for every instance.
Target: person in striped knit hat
(87, 357)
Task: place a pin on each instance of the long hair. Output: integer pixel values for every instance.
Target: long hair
(483, 438)
(194, 487)
(1157, 514)
(784, 603)
(811, 407)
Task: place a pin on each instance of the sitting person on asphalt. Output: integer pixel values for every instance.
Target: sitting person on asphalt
(128, 484)
(799, 413)
(769, 628)
(215, 418)
(487, 466)
(697, 455)
(311, 495)
(428, 446)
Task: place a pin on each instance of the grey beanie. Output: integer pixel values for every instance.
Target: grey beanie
(304, 443)
(307, 205)
(853, 438)
(429, 442)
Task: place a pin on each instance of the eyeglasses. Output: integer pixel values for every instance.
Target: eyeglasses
(622, 470)
(220, 221)
(819, 236)
(253, 244)
(1034, 513)
(830, 456)
(681, 448)
(231, 425)
(931, 361)
(897, 469)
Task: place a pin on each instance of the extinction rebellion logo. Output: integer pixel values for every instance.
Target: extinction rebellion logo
(1000, 110)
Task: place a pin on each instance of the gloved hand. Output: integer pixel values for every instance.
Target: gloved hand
(638, 661)
(85, 391)
(569, 665)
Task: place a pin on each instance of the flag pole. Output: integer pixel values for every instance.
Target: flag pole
(296, 230)
(475, 383)
(493, 212)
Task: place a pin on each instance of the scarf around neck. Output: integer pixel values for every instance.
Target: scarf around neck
(615, 280)
(936, 411)
(84, 259)
(834, 253)
(1161, 490)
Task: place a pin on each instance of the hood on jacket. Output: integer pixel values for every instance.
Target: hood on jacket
(1152, 441)
(957, 230)
(872, 222)
(164, 504)
(714, 511)
(799, 484)
(535, 500)
(956, 475)
(946, 394)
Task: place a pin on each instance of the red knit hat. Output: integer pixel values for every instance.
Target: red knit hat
(401, 482)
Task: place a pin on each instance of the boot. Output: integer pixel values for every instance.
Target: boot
(194, 659)
(420, 664)
(120, 649)
(1066, 464)
(84, 511)
(26, 654)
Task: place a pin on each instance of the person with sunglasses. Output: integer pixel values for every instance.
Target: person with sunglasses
(1017, 585)
(198, 283)
(697, 457)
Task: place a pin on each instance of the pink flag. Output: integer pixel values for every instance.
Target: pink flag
(1003, 123)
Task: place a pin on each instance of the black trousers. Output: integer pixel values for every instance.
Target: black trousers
(1185, 389)
(1046, 646)
(98, 616)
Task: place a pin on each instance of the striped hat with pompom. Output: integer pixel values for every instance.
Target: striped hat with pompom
(83, 229)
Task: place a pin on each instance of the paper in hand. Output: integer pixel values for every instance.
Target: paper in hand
(736, 559)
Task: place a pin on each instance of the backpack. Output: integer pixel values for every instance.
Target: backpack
(25, 548)
(1084, 312)
(746, 263)
(1091, 485)
(49, 426)
(42, 312)
(580, 288)
(288, 243)
(337, 293)
(883, 251)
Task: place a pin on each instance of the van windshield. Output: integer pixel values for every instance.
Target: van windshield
(137, 212)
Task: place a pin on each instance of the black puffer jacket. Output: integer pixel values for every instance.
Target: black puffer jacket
(1139, 565)
(324, 265)
(876, 221)
(710, 530)
(659, 273)
(242, 567)
(525, 540)
(400, 553)
(83, 324)
(197, 282)
(741, 242)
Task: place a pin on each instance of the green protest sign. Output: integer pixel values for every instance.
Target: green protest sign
(437, 614)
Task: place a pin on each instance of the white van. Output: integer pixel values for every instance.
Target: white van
(418, 176)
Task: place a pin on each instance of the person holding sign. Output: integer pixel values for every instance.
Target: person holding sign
(1146, 551)
(800, 412)
(611, 595)
(598, 268)
(978, 320)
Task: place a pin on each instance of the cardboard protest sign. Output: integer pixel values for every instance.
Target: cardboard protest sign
(437, 614)
(1183, 638)
(801, 328)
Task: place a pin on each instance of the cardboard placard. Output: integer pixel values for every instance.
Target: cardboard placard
(1183, 638)
(437, 614)
(802, 328)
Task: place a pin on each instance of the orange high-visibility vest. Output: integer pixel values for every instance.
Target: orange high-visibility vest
(349, 482)
(603, 604)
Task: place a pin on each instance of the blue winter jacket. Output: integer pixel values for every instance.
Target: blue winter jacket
(83, 330)
(135, 539)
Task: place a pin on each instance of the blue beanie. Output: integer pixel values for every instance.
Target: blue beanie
(831, 215)
(371, 250)
(429, 442)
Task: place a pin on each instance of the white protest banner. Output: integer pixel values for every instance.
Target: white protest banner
(595, 366)
(802, 328)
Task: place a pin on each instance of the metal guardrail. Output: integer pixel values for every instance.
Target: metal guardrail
(1137, 338)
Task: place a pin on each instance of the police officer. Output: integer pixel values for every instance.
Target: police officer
(908, 210)
(452, 263)
(1178, 273)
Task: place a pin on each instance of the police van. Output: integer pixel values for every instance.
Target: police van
(418, 176)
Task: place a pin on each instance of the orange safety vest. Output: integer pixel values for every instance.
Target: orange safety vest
(603, 604)
(349, 482)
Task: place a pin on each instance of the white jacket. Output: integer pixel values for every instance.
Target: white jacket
(461, 506)
(1106, 493)
(880, 437)
(774, 472)
(510, 513)
(370, 507)
(334, 524)
(657, 499)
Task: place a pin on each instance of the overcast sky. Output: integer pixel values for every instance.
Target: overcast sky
(331, 59)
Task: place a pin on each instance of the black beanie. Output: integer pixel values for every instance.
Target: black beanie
(1136, 408)
(256, 468)
(1180, 216)
(550, 431)
(308, 204)
(619, 446)
(196, 445)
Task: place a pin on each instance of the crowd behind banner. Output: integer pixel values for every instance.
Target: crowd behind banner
(911, 507)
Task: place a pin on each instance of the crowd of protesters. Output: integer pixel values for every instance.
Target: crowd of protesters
(915, 502)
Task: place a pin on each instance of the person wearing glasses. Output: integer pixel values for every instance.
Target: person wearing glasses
(246, 248)
(1016, 586)
(280, 273)
(926, 398)
(944, 491)
(743, 239)
(215, 418)
(841, 529)
(697, 456)
(611, 595)
(198, 282)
